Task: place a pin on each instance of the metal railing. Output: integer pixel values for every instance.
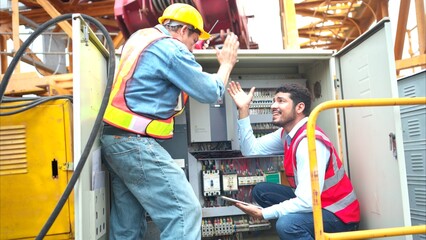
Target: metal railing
(316, 194)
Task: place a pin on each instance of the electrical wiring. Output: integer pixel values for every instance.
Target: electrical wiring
(98, 121)
(22, 107)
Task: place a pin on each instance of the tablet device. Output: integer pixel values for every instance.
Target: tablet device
(238, 201)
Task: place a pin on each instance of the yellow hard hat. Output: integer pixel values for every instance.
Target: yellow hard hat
(187, 14)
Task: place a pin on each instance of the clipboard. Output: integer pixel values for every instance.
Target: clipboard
(238, 201)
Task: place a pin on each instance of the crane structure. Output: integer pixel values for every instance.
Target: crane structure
(218, 16)
(332, 24)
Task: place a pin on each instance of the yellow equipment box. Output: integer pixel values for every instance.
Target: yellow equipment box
(35, 167)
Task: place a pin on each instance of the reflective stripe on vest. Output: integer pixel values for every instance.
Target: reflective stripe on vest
(117, 112)
(342, 203)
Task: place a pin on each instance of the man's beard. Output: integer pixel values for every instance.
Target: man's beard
(287, 119)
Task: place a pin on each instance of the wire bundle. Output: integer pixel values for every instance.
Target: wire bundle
(26, 103)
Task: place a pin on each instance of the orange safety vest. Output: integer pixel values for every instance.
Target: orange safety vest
(117, 113)
(338, 195)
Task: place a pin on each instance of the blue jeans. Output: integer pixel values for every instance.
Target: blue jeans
(296, 225)
(145, 179)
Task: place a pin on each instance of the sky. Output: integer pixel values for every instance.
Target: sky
(265, 26)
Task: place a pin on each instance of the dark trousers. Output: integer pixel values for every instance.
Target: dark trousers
(296, 225)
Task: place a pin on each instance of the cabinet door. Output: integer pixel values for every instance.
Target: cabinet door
(89, 79)
(34, 150)
(366, 69)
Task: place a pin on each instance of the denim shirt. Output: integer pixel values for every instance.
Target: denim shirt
(164, 69)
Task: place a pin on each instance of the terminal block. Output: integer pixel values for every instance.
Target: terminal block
(224, 226)
(207, 228)
(250, 180)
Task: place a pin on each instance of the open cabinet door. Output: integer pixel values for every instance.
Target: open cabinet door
(89, 78)
(372, 135)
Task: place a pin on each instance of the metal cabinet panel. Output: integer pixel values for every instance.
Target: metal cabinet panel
(89, 79)
(366, 69)
(413, 120)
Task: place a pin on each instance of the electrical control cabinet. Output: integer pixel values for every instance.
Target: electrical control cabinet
(236, 175)
(362, 70)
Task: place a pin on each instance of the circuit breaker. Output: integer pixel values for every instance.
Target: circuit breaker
(211, 183)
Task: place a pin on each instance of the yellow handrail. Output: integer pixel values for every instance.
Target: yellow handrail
(316, 196)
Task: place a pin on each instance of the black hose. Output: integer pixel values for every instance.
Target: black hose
(98, 120)
(22, 49)
(27, 106)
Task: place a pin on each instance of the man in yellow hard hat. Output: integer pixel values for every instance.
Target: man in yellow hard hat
(156, 70)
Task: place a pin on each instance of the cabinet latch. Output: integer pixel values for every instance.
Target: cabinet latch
(392, 144)
(68, 166)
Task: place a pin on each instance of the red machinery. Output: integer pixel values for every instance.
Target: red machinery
(218, 15)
